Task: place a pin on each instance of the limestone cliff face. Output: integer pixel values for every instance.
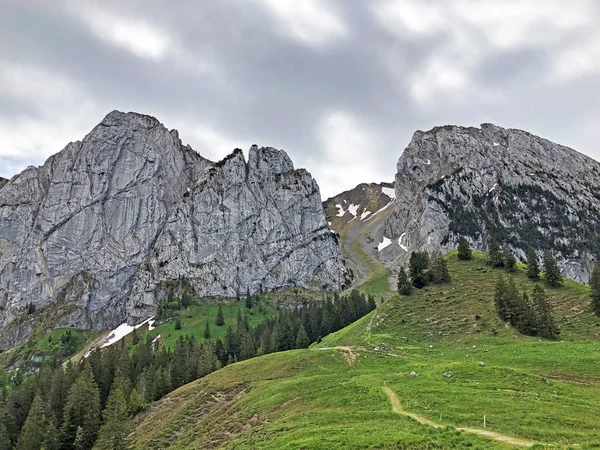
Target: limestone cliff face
(90, 237)
(520, 188)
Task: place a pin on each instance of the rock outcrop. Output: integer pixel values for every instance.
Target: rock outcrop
(91, 238)
(517, 187)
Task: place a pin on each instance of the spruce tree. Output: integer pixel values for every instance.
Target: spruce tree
(34, 430)
(533, 268)
(464, 251)
(545, 325)
(510, 262)
(439, 269)
(82, 411)
(178, 324)
(404, 284)
(552, 272)
(302, 340)
(114, 430)
(52, 438)
(207, 331)
(418, 265)
(248, 299)
(220, 320)
(499, 299)
(522, 315)
(595, 285)
(494, 253)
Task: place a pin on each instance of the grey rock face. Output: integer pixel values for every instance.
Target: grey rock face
(520, 188)
(91, 236)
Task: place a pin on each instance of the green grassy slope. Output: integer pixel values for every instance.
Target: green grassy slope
(547, 392)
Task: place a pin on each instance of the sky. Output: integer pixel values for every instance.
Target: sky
(341, 85)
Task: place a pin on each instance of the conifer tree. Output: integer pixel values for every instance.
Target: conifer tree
(522, 315)
(52, 438)
(545, 325)
(82, 411)
(551, 270)
(418, 265)
(136, 402)
(114, 430)
(404, 285)
(302, 340)
(34, 430)
(207, 331)
(494, 254)
(595, 285)
(533, 268)
(510, 262)
(499, 299)
(178, 324)
(220, 320)
(5, 442)
(248, 299)
(464, 251)
(439, 269)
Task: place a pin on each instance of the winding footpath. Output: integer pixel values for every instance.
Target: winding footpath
(397, 408)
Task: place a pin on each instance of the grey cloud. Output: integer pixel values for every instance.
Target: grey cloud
(261, 88)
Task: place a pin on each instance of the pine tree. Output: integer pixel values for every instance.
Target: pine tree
(302, 340)
(34, 430)
(418, 265)
(494, 254)
(545, 325)
(248, 299)
(552, 272)
(464, 251)
(5, 443)
(114, 430)
(404, 285)
(82, 411)
(595, 285)
(52, 438)
(207, 331)
(533, 268)
(522, 315)
(499, 299)
(439, 269)
(510, 262)
(220, 320)
(178, 324)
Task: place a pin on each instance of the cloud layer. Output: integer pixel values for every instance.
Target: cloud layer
(339, 85)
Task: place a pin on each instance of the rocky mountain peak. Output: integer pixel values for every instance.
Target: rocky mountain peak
(476, 182)
(107, 227)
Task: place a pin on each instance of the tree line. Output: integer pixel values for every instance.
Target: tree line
(88, 405)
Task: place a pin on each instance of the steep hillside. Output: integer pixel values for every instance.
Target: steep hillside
(419, 372)
(100, 232)
(359, 216)
(517, 187)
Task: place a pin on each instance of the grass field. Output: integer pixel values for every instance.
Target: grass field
(193, 321)
(536, 390)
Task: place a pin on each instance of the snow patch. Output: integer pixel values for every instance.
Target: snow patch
(496, 144)
(353, 209)
(340, 210)
(373, 215)
(403, 247)
(364, 215)
(123, 330)
(384, 244)
(428, 162)
(493, 187)
(389, 192)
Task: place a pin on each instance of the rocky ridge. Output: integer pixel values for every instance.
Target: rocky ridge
(520, 188)
(109, 226)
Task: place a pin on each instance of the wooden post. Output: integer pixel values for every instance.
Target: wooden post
(484, 421)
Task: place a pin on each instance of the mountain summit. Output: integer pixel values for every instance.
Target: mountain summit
(106, 228)
(490, 181)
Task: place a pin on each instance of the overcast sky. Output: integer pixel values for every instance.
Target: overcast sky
(341, 85)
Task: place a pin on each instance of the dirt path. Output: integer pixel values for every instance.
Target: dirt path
(397, 408)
